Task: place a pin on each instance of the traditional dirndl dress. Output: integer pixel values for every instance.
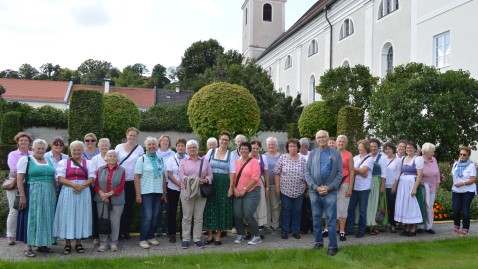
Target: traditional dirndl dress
(407, 209)
(73, 217)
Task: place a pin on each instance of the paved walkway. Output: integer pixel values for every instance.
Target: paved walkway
(131, 248)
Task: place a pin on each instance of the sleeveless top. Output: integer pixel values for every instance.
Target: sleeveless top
(219, 166)
(409, 169)
(76, 173)
(377, 168)
(345, 166)
(39, 172)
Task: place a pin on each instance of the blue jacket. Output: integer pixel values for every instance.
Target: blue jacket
(312, 174)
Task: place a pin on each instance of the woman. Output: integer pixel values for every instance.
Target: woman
(109, 198)
(23, 141)
(290, 186)
(193, 168)
(273, 203)
(304, 148)
(431, 182)
(392, 174)
(164, 151)
(401, 146)
(332, 142)
(247, 194)
(261, 212)
(150, 186)
(100, 159)
(377, 187)
(90, 150)
(73, 216)
(363, 165)
(174, 187)
(128, 153)
(56, 153)
(407, 208)
(37, 199)
(211, 143)
(464, 190)
(345, 190)
(218, 211)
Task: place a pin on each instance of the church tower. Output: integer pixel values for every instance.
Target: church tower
(263, 21)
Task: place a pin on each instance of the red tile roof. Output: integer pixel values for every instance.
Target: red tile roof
(34, 90)
(143, 97)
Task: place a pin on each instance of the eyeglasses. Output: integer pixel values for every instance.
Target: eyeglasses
(90, 140)
(321, 137)
(462, 154)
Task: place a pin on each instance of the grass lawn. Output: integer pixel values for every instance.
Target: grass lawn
(451, 253)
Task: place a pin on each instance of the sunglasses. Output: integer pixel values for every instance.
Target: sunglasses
(90, 140)
(58, 145)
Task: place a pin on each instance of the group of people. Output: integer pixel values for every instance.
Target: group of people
(71, 197)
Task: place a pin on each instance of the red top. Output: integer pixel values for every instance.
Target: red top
(111, 171)
(251, 171)
(76, 173)
(345, 166)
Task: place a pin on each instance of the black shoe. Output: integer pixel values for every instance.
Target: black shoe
(262, 237)
(359, 235)
(318, 246)
(172, 239)
(404, 233)
(296, 236)
(342, 237)
(127, 236)
(208, 242)
(420, 231)
(332, 251)
(410, 234)
(120, 238)
(430, 231)
(349, 233)
(217, 243)
(325, 233)
(185, 245)
(284, 235)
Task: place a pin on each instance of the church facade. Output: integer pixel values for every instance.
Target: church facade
(380, 34)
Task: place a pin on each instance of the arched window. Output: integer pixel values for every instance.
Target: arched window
(390, 59)
(386, 59)
(346, 63)
(269, 71)
(287, 91)
(267, 12)
(313, 47)
(386, 7)
(347, 28)
(312, 89)
(245, 17)
(288, 62)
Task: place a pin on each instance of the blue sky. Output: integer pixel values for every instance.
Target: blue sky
(68, 32)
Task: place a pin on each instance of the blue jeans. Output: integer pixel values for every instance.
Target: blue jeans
(360, 198)
(149, 210)
(328, 204)
(461, 204)
(291, 213)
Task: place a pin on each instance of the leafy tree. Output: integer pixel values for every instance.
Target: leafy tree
(158, 77)
(196, 59)
(129, 78)
(419, 103)
(26, 71)
(93, 72)
(69, 75)
(139, 69)
(119, 113)
(2, 90)
(317, 116)
(49, 71)
(166, 118)
(223, 106)
(85, 114)
(9, 73)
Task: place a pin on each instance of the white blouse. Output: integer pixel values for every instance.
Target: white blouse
(470, 171)
(363, 183)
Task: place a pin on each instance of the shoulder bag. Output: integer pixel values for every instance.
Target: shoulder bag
(10, 184)
(129, 154)
(206, 188)
(192, 184)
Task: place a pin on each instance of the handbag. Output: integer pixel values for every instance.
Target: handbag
(192, 185)
(380, 215)
(104, 224)
(10, 184)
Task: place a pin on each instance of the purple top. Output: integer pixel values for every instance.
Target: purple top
(13, 158)
(431, 174)
(190, 168)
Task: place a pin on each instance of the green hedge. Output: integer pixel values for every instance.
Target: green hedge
(317, 116)
(166, 118)
(293, 131)
(11, 126)
(350, 123)
(119, 114)
(45, 116)
(85, 115)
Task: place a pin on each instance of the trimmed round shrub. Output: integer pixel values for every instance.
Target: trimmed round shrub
(317, 116)
(223, 106)
(119, 114)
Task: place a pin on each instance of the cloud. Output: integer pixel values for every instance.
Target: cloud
(91, 14)
(207, 6)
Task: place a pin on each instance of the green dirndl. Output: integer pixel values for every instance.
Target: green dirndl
(218, 210)
(421, 201)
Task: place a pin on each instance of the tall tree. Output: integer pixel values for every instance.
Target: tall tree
(69, 75)
(139, 69)
(129, 78)
(158, 77)
(93, 72)
(26, 71)
(49, 71)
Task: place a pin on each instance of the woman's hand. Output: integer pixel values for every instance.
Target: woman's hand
(104, 196)
(414, 191)
(242, 193)
(23, 202)
(138, 199)
(236, 192)
(78, 188)
(203, 181)
(459, 184)
(277, 191)
(230, 192)
(349, 192)
(394, 189)
(382, 189)
(164, 197)
(267, 193)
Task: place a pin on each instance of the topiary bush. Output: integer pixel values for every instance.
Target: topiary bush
(350, 123)
(293, 130)
(317, 116)
(11, 126)
(166, 118)
(119, 113)
(223, 106)
(45, 116)
(85, 114)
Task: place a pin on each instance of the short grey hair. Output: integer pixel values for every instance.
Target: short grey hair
(77, 143)
(39, 141)
(104, 140)
(428, 147)
(111, 151)
(191, 143)
(150, 139)
(304, 142)
(344, 138)
(272, 139)
(211, 140)
(242, 137)
(326, 133)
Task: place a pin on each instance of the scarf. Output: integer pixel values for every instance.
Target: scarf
(460, 166)
(154, 161)
(181, 155)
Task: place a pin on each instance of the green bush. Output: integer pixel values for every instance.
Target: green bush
(119, 113)
(446, 181)
(85, 114)
(3, 204)
(317, 116)
(166, 118)
(11, 126)
(350, 123)
(223, 106)
(293, 130)
(443, 197)
(45, 116)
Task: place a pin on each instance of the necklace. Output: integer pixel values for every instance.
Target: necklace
(40, 159)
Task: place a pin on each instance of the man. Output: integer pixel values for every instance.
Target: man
(323, 175)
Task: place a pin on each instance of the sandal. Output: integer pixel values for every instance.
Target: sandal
(374, 232)
(66, 250)
(44, 249)
(29, 253)
(79, 248)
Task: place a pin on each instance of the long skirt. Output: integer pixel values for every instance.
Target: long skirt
(41, 214)
(218, 210)
(22, 219)
(73, 217)
(407, 209)
(261, 211)
(372, 205)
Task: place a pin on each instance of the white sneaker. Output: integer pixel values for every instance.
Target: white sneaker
(234, 231)
(96, 241)
(239, 239)
(114, 248)
(255, 240)
(102, 248)
(153, 242)
(144, 244)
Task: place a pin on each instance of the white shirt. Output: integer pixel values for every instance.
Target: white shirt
(470, 171)
(98, 161)
(363, 183)
(306, 157)
(173, 166)
(130, 163)
(392, 171)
